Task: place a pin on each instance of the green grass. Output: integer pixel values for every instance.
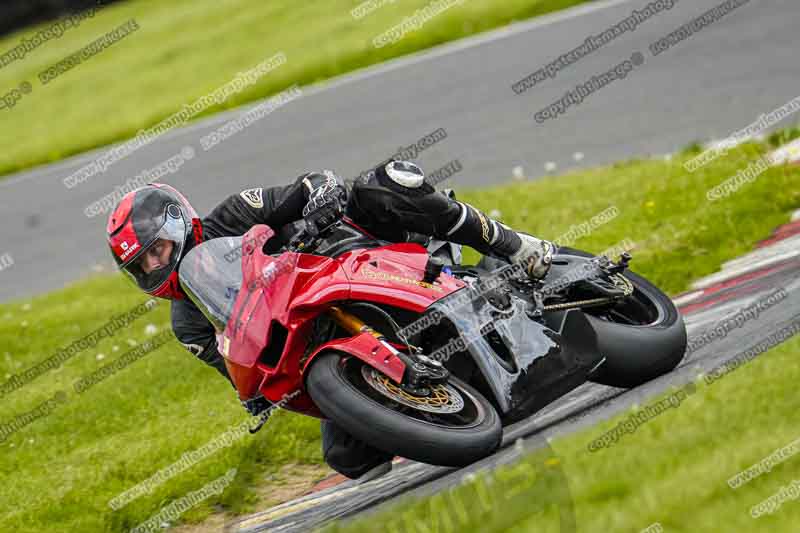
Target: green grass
(672, 470)
(185, 49)
(61, 470)
(64, 468)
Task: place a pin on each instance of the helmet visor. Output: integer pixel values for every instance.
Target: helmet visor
(154, 263)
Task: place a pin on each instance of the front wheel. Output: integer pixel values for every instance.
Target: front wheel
(453, 426)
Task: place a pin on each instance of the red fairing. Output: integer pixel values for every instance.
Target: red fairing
(281, 296)
(392, 275)
(368, 349)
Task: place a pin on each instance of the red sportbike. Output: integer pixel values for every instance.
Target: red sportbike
(414, 354)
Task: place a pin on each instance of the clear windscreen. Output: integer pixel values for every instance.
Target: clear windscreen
(211, 275)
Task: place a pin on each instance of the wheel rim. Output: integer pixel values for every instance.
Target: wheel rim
(470, 414)
(444, 398)
(639, 309)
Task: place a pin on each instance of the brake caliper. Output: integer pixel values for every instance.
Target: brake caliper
(422, 373)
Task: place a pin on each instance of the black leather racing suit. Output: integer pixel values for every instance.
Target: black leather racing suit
(386, 209)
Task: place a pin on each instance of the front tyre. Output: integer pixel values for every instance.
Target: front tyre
(453, 426)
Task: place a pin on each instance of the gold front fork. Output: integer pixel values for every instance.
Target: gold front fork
(351, 323)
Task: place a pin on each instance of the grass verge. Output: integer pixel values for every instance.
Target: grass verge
(61, 470)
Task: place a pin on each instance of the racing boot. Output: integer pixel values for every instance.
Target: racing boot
(489, 236)
(535, 254)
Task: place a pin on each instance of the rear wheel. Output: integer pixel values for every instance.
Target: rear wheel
(641, 338)
(453, 426)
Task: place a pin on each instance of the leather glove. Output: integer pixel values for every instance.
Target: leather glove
(325, 206)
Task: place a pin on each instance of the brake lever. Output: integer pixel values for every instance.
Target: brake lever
(307, 240)
(301, 241)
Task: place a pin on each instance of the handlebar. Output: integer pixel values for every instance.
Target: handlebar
(301, 242)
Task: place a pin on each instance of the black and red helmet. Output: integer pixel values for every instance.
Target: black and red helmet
(143, 218)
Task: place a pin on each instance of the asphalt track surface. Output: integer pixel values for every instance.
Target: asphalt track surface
(774, 265)
(717, 81)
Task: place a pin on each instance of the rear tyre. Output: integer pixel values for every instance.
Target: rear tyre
(455, 426)
(641, 339)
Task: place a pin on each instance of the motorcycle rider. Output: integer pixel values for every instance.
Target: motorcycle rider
(152, 228)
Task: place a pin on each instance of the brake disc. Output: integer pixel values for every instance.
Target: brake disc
(443, 399)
